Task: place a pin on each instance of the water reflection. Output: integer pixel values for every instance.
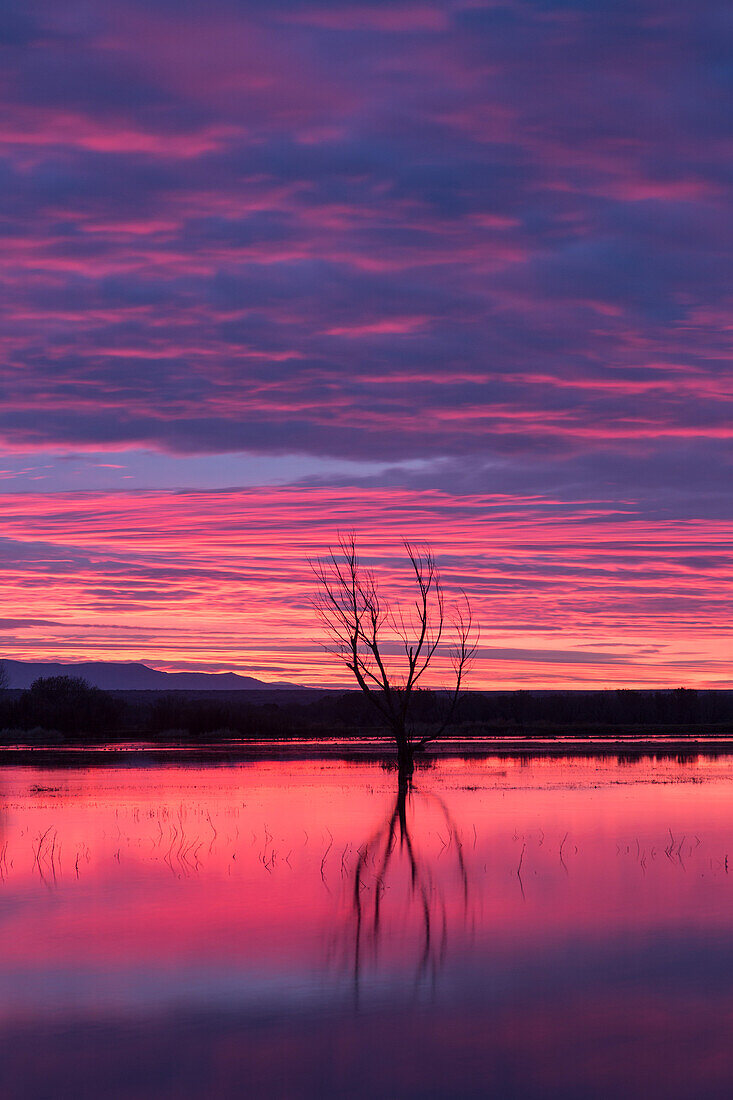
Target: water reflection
(537, 928)
(395, 869)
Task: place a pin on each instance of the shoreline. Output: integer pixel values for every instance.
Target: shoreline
(369, 748)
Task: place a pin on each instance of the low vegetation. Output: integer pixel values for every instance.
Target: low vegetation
(69, 709)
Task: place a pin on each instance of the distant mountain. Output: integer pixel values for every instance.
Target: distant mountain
(133, 676)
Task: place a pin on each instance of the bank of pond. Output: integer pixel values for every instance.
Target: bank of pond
(66, 709)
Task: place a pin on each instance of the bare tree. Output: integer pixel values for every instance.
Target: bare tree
(388, 648)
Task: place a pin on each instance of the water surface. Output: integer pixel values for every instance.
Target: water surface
(517, 928)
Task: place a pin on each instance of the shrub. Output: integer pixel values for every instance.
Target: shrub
(67, 704)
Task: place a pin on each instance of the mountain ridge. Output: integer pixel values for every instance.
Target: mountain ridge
(134, 676)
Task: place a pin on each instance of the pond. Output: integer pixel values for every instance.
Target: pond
(534, 927)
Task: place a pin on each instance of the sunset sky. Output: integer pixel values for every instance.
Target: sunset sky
(456, 271)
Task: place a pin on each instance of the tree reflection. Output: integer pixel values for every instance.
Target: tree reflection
(408, 884)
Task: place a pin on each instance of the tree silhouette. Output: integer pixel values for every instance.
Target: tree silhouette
(67, 704)
(365, 630)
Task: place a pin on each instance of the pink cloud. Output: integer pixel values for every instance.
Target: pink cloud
(165, 576)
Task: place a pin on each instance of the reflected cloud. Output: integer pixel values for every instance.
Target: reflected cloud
(224, 923)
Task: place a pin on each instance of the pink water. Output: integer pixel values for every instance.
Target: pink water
(557, 928)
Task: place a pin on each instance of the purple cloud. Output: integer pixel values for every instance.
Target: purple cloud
(477, 248)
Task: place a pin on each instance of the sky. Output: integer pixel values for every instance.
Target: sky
(457, 271)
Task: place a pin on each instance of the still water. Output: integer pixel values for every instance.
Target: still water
(543, 928)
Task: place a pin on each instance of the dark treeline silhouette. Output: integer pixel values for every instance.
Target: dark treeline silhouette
(69, 707)
(62, 704)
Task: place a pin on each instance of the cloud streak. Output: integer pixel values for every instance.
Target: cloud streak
(481, 249)
(566, 595)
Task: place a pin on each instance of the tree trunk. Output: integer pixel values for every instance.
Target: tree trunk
(405, 752)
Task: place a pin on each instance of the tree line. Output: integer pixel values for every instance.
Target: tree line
(69, 707)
